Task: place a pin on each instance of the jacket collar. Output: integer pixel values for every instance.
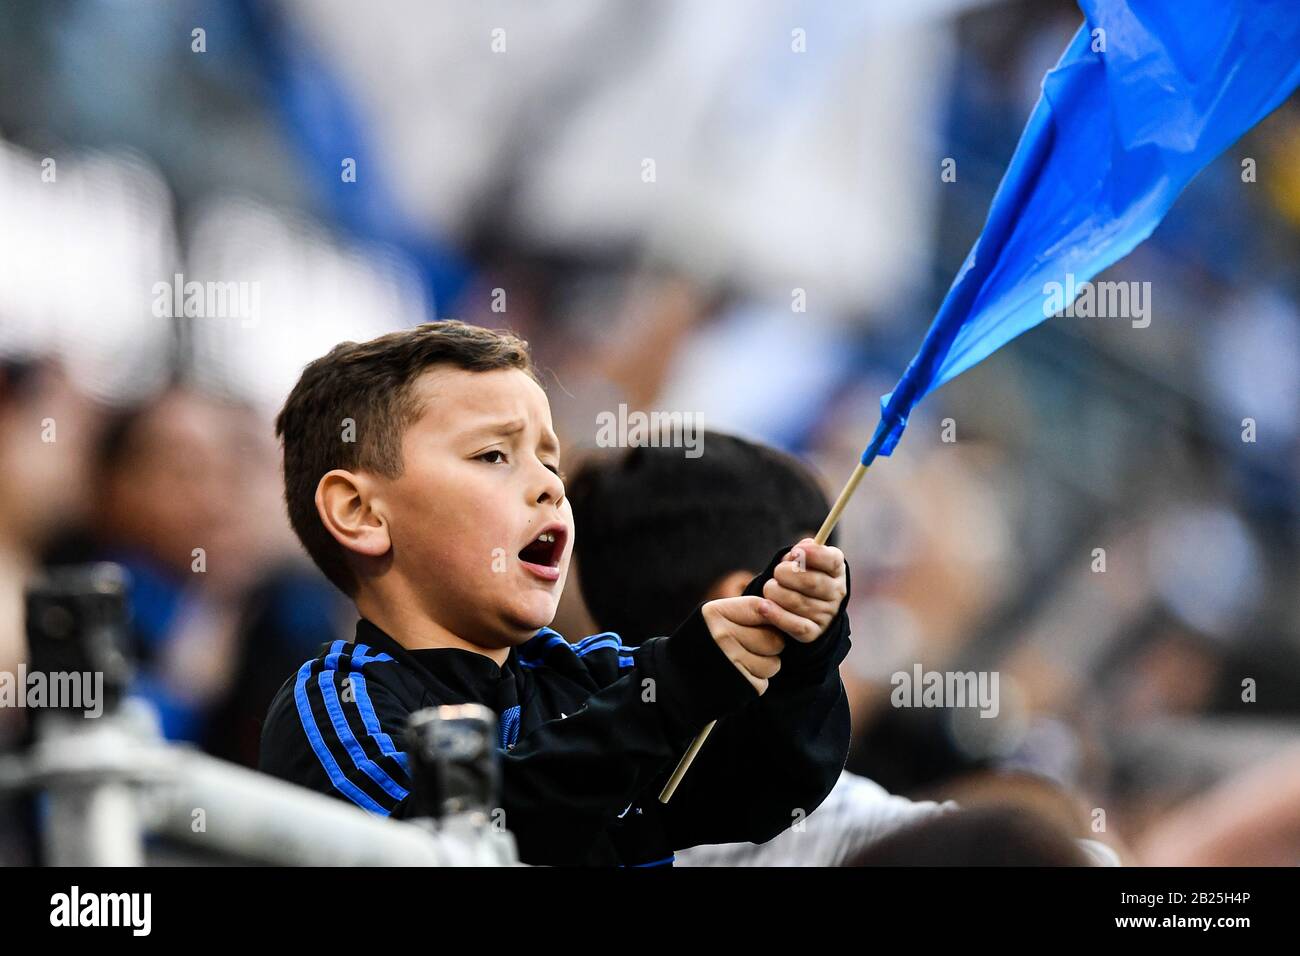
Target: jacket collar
(465, 672)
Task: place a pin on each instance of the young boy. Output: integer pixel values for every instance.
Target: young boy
(665, 532)
(422, 475)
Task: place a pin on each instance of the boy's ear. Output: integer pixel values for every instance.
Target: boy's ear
(731, 584)
(343, 501)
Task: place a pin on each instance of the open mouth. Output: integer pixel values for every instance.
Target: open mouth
(542, 554)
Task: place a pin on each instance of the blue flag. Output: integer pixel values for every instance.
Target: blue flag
(1146, 95)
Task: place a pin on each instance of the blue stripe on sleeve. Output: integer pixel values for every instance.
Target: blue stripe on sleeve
(373, 727)
(318, 746)
(350, 743)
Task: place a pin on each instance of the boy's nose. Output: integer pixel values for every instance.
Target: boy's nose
(550, 488)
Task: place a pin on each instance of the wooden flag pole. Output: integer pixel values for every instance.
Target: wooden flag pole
(827, 526)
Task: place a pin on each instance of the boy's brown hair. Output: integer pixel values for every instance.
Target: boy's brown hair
(371, 384)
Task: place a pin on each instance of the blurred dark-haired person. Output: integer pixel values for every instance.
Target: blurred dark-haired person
(662, 533)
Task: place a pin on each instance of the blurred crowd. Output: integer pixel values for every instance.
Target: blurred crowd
(734, 210)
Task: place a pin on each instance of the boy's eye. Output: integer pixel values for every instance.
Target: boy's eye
(488, 456)
(555, 470)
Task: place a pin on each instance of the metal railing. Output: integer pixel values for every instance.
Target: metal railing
(110, 783)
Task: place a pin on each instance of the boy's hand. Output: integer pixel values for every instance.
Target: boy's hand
(740, 630)
(805, 591)
(801, 599)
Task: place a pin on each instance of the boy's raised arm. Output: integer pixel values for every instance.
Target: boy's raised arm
(772, 763)
(771, 759)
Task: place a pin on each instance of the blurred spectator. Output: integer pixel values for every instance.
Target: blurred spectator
(659, 532)
(46, 431)
(218, 621)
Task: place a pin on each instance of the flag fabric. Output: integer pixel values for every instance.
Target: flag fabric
(1145, 96)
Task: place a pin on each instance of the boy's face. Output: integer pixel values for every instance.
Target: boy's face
(478, 487)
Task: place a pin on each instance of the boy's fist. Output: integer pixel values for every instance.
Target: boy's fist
(800, 601)
(740, 630)
(805, 591)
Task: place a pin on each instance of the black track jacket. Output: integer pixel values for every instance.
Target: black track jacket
(589, 732)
